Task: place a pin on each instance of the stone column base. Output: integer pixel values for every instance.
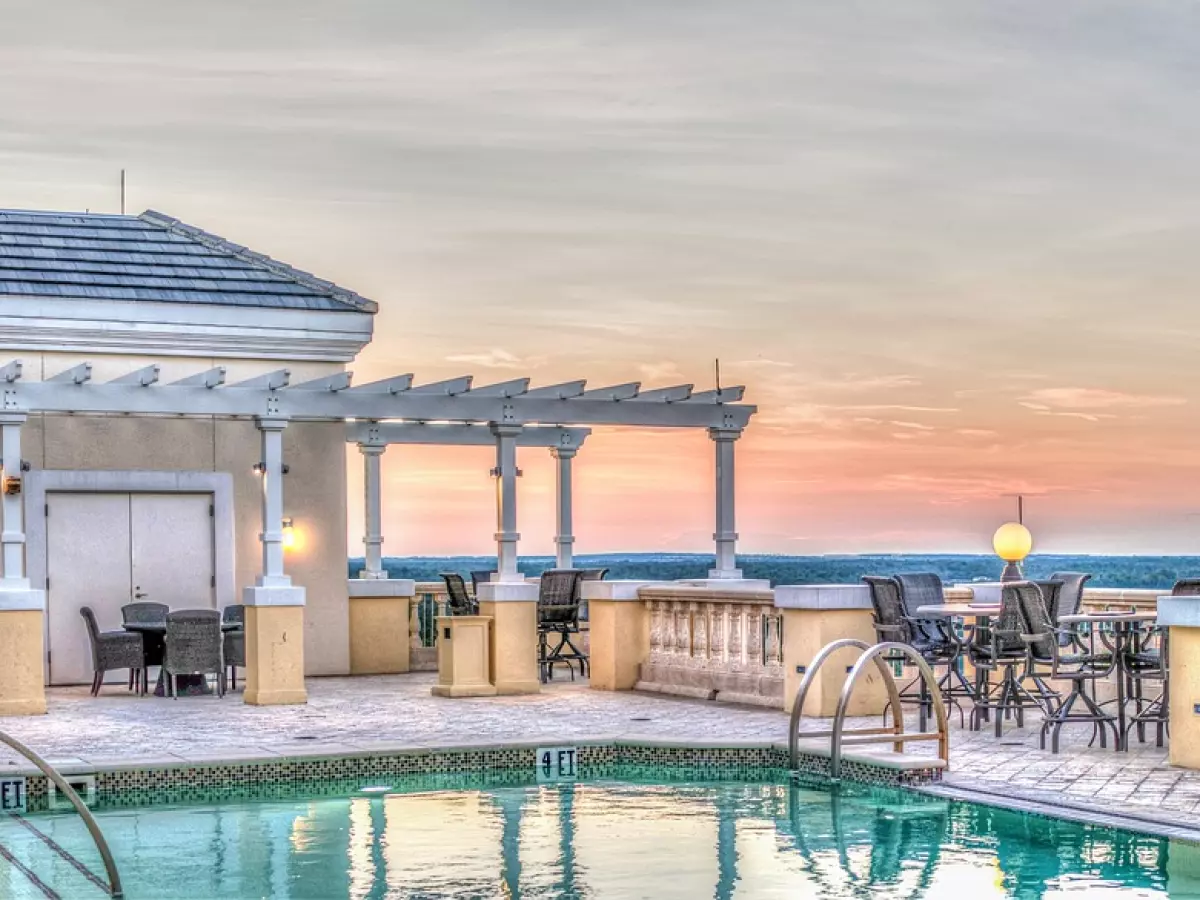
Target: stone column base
(805, 632)
(22, 654)
(619, 634)
(1185, 681)
(512, 607)
(379, 626)
(464, 668)
(274, 654)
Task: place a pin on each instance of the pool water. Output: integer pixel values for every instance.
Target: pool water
(618, 839)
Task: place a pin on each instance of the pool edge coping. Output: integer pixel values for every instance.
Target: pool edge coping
(1023, 802)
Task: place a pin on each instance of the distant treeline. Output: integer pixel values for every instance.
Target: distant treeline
(1155, 572)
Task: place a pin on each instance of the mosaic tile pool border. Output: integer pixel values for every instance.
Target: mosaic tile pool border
(447, 769)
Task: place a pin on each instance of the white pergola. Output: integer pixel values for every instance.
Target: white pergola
(394, 410)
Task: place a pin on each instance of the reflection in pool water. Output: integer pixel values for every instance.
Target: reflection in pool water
(604, 839)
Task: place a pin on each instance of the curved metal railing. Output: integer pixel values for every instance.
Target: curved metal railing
(893, 734)
(110, 865)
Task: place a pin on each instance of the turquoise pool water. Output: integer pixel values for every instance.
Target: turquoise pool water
(620, 838)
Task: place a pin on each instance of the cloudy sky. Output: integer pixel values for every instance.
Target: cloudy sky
(952, 247)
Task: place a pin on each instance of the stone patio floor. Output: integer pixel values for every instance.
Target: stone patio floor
(371, 713)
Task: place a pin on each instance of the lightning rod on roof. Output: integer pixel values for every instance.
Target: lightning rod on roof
(122, 192)
(717, 368)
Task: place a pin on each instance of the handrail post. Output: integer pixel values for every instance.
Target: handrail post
(110, 865)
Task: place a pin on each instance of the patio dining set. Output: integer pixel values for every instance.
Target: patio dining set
(1028, 646)
(562, 613)
(186, 645)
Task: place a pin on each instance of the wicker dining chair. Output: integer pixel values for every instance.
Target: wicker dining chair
(558, 614)
(146, 613)
(1070, 597)
(460, 602)
(234, 640)
(935, 639)
(112, 650)
(194, 647)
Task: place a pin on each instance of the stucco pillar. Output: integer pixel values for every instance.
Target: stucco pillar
(22, 609)
(373, 511)
(1181, 616)
(564, 540)
(725, 535)
(274, 606)
(619, 634)
(506, 473)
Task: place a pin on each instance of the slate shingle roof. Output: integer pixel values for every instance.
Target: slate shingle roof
(90, 256)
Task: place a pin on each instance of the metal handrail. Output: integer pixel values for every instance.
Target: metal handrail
(110, 865)
(894, 735)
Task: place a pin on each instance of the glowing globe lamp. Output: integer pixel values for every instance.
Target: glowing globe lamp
(1012, 543)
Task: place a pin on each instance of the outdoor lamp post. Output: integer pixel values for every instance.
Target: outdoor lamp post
(1012, 543)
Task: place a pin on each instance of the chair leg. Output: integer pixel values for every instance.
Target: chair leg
(132, 672)
(95, 683)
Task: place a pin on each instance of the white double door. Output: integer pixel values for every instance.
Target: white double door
(105, 549)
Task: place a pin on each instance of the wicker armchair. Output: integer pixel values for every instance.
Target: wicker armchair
(234, 640)
(558, 613)
(112, 650)
(461, 603)
(194, 647)
(1046, 655)
(144, 613)
(1001, 646)
(935, 639)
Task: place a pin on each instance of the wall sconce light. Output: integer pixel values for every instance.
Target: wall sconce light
(260, 468)
(12, 485)
(289, 533)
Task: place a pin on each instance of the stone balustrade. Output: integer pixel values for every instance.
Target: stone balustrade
(714, 643)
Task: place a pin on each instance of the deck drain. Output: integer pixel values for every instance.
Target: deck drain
(640, 719)
(305, 737)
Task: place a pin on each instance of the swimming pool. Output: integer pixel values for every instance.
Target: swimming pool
(638, 835)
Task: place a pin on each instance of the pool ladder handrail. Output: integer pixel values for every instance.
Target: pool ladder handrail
(110, 865)
(893, 734)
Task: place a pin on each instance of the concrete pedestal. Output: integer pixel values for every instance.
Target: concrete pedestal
(274, 646)
(1181, 615)
(464, 657)
(22, 653)
(380, 611)
(619, 633)
(512, 606)
(816, 615)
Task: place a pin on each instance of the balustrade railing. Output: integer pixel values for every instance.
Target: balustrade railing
(720, 634)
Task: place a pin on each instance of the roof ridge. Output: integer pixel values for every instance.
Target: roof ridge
(220, 244)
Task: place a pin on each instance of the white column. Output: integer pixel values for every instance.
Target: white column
(15, 592)
(373, 512)
(725, 536)
(564, 541)
(273, 586)
(506, 473)
(12, 504)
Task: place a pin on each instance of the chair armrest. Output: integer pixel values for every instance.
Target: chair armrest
(890, 629)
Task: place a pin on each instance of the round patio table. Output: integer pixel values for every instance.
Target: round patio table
(188, 685)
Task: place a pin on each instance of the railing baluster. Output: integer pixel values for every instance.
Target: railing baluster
(699, 614)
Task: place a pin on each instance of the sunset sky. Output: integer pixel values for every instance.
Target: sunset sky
(952, 247)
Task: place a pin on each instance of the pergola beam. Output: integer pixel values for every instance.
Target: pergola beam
(209, 379)
(394, 385)
(264, 396)
(386, 433)
(74, 375)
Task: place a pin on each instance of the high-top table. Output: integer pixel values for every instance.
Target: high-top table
(1125, 627)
